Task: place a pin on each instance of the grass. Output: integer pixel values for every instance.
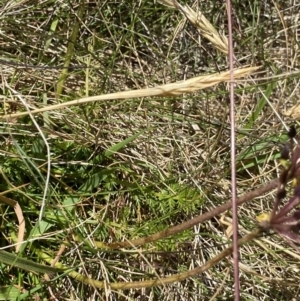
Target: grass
(129, 165)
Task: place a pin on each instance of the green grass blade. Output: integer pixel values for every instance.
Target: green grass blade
(260, 105)
(25, 264)
(115, 148)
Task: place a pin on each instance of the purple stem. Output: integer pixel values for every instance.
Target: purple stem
(233, 163)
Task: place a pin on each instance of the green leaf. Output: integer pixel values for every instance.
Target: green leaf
(260, 105)
(115, 148)
(255, 162)
(40, 229)
(52, 29)
(95, 180)
(38, 148)
(25, 264)
(70, 202)
(9, 293)
(37, 231)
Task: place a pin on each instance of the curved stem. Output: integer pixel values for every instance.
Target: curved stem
(190, 223)
(150, 283)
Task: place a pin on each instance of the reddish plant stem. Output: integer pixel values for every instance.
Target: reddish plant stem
(196, 220)
(233, 161)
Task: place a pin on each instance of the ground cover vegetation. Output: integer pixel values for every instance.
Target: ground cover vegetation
(115, 150)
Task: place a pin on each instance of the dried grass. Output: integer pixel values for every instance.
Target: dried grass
(205, 28)
(173, 89)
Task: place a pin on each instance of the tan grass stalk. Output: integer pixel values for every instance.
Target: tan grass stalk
(19, 214)
(151, 283)
(173, 89)
(204, 27)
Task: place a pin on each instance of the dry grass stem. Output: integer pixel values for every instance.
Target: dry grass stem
(205, 28)
(162, 281)
(173, 89)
